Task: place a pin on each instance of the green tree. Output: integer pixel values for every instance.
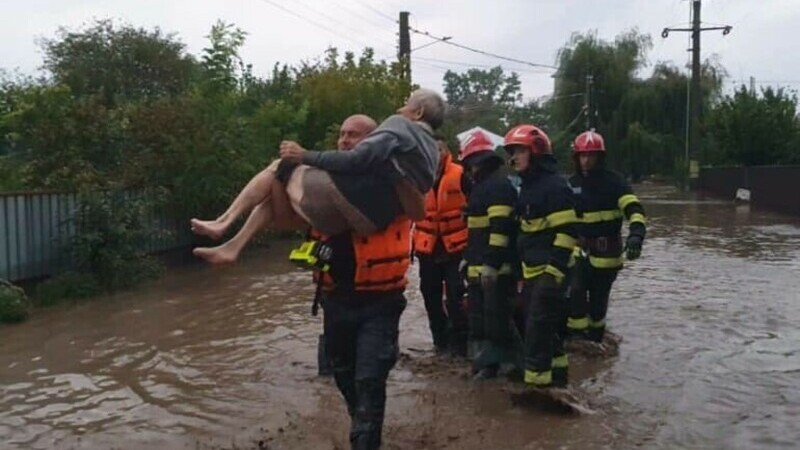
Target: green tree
(118, 62)
(336, 87)
(487, 98)
(754, 129)
(222, 67)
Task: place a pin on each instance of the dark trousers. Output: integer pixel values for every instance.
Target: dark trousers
(361, 342)
(545, 312)
(450, 325)
(589, 295)
(490, 321)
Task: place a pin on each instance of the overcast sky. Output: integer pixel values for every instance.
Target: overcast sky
(763, 43)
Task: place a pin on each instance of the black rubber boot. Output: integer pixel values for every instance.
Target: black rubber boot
(596, 334)
(324, 368)
(560, 376)
(367, 423)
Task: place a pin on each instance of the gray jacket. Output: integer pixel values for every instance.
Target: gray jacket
(399, 148)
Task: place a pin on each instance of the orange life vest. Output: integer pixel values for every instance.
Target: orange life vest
(381, 259)
(444, 214)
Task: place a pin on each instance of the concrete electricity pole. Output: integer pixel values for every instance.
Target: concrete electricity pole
(695, 91)
(404, 52)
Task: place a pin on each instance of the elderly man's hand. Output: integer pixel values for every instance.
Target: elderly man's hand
(292, 151)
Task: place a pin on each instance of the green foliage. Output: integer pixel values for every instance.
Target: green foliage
(643, 121)
(334, 88)
(221, 64)
(118, 63)
(490, 99)
(66, 286)
(113, 228)
(14, 304)
(756, 129)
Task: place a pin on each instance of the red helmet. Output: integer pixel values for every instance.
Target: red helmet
(588, 142)
(477, 142)
(529, 136)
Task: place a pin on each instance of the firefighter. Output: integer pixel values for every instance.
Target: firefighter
(361, 280)
(439, 241)
(488, 256)
(603, 199)
(545, 242)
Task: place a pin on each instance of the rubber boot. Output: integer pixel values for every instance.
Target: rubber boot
(596, 334)
(324, 368)
(560, 376)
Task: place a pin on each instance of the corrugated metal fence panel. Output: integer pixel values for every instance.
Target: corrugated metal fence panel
(34, 227)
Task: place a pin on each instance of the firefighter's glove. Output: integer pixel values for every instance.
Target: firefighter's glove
(633, 247)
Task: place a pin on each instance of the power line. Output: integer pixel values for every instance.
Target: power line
(767, 81)
(476, 65)
(482, 52)
(378, 12)
(335, 20)
(431, 66)
(315, 23)
(358, 14)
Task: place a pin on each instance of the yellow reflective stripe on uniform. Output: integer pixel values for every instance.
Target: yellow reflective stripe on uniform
(597, 323)
(498, 240)
(529, 272)
(637, 217)
(601, 216)
(565, 241)
(560, 362)
(478, 222)
(553, 220)
(499, 211)
(552, 270)
(605, 263)
(578, 324)
(532, 271)
(626, 200)
(560, 218)
(533, 225)
(475, 271)
(539, 378)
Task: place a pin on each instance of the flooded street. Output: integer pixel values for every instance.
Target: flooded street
(226, 357)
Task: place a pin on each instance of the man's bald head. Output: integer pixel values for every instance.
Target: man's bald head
(354, 129)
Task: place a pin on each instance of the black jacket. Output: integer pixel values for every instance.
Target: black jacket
(603, 199)
(491, 224)
(547, 227)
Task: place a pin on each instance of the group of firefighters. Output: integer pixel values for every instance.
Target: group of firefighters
(537, 262)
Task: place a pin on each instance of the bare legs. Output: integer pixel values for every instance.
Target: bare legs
(256, 192)
(274, 212)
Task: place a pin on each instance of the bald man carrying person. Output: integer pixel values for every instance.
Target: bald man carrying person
(385, 176)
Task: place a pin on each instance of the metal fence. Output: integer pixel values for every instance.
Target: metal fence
(771, 187)
(35, 226)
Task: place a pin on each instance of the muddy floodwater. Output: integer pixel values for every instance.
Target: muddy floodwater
(226, 357)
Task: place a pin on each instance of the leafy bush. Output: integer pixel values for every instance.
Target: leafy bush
(14, 304)
(112, 233)
(67, 286)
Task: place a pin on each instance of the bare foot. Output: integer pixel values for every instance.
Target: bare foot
(222, 254)
(211, 228)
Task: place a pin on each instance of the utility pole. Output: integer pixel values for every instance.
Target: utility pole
(695, 91)
(404, 50)
(752, 85)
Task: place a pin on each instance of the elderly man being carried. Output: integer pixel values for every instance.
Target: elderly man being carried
(386, 175)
